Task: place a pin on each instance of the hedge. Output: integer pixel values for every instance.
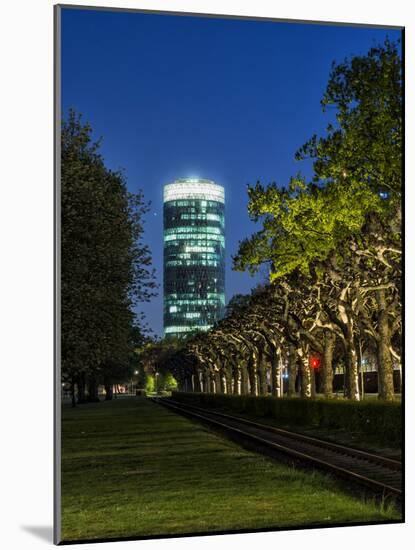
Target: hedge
(382, 420)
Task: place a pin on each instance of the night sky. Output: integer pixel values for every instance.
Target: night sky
(228, 100)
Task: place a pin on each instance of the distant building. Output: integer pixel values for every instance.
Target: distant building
(194, 255)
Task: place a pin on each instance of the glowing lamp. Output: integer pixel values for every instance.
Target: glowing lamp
(314, 362)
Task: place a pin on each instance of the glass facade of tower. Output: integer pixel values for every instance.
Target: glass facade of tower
(194, 255)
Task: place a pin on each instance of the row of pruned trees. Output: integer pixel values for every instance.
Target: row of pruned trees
(283, 327)
(333, 249)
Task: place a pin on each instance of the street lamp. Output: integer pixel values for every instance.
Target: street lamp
(135, 372)
(155, 381)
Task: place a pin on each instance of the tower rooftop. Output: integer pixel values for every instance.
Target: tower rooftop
(193, 180)
(194, 188)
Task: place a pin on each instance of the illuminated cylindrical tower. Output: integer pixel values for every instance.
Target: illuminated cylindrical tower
(194, 255)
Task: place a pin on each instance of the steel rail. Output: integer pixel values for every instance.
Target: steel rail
(382, 460)
(348, 471)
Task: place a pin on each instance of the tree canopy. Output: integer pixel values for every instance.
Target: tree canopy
(357, 171)
(365, 142)
(105, 269)
(333, 249)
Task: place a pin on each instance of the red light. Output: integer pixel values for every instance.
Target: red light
(314, 362)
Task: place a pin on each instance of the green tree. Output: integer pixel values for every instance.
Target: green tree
(105, 270)
(170, 383)
(365, 141)
(303, 224)
(150, 383)
(342, 230)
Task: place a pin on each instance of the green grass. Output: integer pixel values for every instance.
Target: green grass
(132, 468)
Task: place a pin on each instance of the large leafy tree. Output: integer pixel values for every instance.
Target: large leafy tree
(301, 225)
(333, 249)
(106, 269)
(365, 140)
(342, 229)
(359, 159)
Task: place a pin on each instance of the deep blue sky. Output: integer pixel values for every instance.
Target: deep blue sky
(229, 100)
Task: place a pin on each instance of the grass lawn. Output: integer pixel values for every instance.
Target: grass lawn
(132, 468)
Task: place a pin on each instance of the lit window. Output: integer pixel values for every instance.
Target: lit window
(192, 315)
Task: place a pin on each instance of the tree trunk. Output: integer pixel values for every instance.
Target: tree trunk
(223, 386)
(218, 382)
(276, 368)
(228, 378)
(385, 363)
(244, 379)
(313, 383)
(292, 379)
(353, 391)
(212, 383)
(385, 371)
(237, 380)
(306, 377)
(253, 380)
(261, 381)
(206, 381)
(197, 384)
(329, 343)
(93, 391)
(73, 398)
(262, 374)
(292, 372)
(108, 392)
(81, 389)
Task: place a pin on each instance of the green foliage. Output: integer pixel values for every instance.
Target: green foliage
(303, 225)
(155, 356)
(150, 383)
(366, 139)
(168, 382)
(105, 267)
(360, 157)
(381, 420)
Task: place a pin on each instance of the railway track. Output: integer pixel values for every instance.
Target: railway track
(380, 474)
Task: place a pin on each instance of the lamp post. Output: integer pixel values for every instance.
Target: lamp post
(155, 381)
(132, 389)
(135, 372)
